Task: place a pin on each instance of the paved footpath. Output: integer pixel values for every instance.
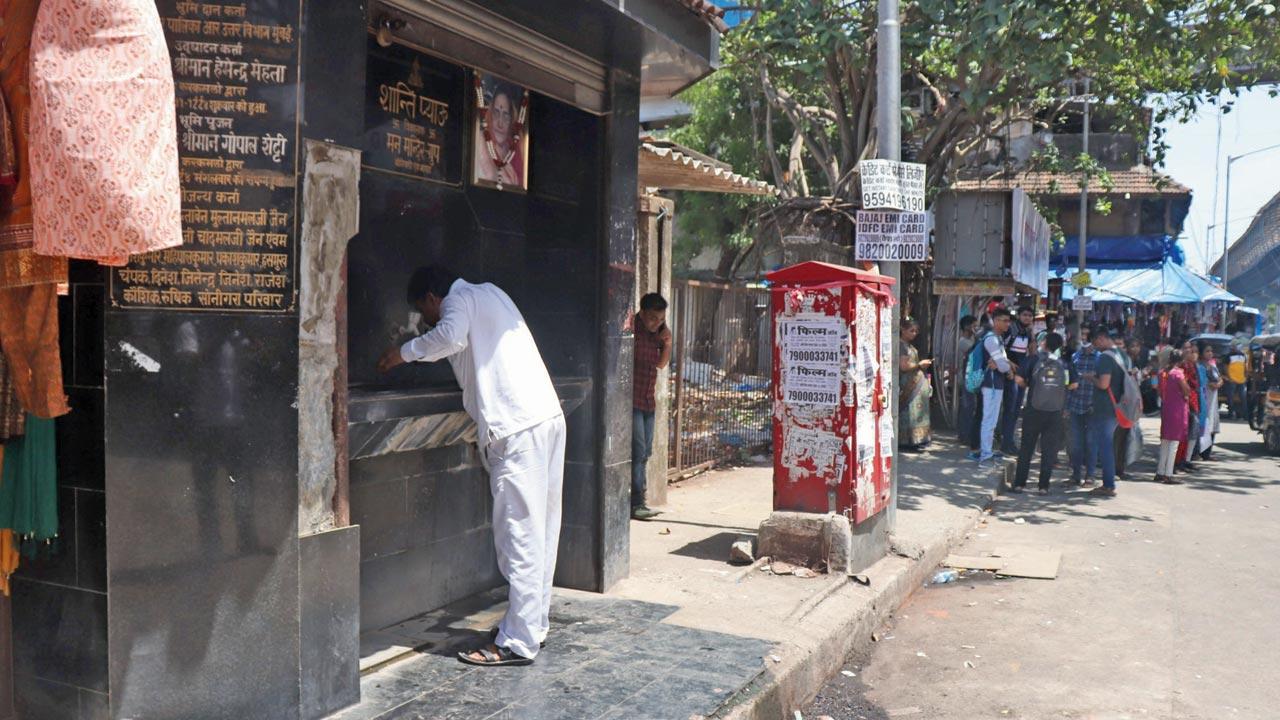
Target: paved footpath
(686, 635)
(1167, 605)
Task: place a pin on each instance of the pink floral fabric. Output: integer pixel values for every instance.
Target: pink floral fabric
(104, 152)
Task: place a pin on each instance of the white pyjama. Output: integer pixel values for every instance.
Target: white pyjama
(526, 477)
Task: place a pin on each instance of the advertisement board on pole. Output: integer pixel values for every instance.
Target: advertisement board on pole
(891, 235)
(1082, 303)
(888, 184)
(1031, 236)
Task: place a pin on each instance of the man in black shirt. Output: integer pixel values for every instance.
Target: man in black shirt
(1017, 346)
(1047, 380)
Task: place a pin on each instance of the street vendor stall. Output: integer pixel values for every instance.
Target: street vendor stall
(1159, 300)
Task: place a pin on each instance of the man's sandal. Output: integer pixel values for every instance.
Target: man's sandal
(493, 656)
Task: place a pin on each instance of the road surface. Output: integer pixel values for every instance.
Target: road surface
(1167, 605)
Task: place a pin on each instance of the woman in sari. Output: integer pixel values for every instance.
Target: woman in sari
(913, 409)
(1210, 382)
(1191, 372)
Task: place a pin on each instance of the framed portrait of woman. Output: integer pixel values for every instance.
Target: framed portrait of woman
(501, 156)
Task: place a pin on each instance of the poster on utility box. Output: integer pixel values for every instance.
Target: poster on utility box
(811, 350)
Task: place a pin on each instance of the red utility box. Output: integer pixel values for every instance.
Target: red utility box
(833, 345)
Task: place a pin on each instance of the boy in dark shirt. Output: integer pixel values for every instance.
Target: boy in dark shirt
(652, 353)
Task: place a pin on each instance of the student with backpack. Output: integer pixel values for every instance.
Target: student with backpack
(1047, 380)
(989, 368)
(1108, 390)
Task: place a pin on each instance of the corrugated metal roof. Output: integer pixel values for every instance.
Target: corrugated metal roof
(672, 167)
(714, 16)
(1140, 180)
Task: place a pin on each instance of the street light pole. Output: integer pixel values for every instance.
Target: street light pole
(1226, 251)
(889, 147)
(1084, 212)
(1226, 224)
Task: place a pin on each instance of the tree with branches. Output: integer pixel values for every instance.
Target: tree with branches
(972, 68)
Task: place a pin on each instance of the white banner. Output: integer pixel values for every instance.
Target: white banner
(812, 354)
(1082, 302)
(1030, 235)
(890, 184)
(891, 235)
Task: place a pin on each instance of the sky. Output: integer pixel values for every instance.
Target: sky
(1250, 125)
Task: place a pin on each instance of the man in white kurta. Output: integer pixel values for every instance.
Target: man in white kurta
(521, 435)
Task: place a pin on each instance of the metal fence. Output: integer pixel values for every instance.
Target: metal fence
(720, 381)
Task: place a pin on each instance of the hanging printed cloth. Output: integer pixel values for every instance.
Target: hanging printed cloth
(29, 484)
(104, 142)
(8, 151)
(29, 339)
(12, 420)
(19, 265)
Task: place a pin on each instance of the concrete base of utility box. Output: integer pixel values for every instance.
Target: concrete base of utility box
(808, 539)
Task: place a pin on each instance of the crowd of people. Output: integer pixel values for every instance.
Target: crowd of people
(1083, 391)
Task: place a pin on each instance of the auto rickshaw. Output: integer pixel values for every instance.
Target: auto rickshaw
(1266, 396)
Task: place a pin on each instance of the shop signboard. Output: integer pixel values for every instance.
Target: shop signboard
(413, 114)
(1031, 237)
(235, 71)
(888, 184)
(891, 235)
(973, 286)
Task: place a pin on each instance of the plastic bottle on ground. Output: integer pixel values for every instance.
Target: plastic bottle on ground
(945, 576)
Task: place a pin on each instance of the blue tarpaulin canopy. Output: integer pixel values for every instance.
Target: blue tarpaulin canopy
(1111, 251)
(1161, 282)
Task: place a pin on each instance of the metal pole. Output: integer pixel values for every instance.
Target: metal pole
(1226, 250)
(1084, 212)
(680, 295)
(1217, 171)
(889, 147)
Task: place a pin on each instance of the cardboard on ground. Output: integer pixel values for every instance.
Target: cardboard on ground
(1012, 562)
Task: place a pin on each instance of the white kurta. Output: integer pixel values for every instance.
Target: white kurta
(506, 389)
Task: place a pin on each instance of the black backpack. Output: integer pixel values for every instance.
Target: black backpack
(1049, 385)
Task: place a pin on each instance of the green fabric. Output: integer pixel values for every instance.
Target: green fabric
(29, 483)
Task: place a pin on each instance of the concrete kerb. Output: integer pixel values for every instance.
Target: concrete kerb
(846, 619)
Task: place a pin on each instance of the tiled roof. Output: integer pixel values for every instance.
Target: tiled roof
(672, 167)
(708, 12)
(1140, 180)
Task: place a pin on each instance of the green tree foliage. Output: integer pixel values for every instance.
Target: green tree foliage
(728, 134)
(799, 77)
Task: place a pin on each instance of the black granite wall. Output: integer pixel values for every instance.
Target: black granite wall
(425, 515)
(60, 597)
(426, 537)
(202, 509)
(540, 247)
(191, 469)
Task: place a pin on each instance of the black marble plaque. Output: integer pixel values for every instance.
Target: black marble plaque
(413, 114)
(235, 67)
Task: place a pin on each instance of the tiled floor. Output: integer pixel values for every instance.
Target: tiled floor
(605, 658)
